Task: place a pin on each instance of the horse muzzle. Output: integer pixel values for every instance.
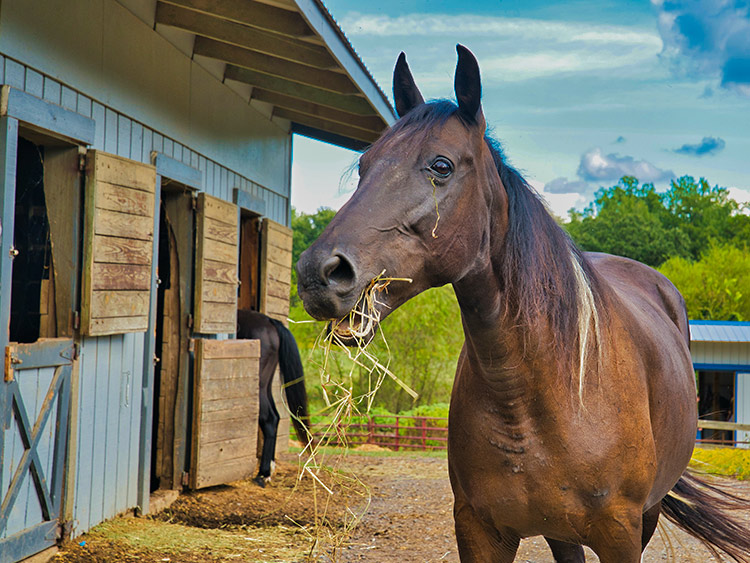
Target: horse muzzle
(327, 282)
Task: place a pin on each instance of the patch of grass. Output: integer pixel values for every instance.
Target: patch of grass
(730, 462)
(143, 539)
(382, 452)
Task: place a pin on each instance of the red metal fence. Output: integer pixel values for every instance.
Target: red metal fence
(431, 432)
(389, 431)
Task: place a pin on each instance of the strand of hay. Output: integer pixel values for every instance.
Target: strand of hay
(328, 538)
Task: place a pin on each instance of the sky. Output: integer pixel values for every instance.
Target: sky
(579, 93)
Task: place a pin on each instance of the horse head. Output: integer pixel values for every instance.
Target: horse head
(422, 210)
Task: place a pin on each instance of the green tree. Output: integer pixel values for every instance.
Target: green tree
(628, 220)
(705, 214)
(716, 287)
(306, 228)
(637, 222)
(423, 339)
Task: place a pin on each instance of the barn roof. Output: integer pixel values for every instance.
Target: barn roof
(295, 58)
(719, 331)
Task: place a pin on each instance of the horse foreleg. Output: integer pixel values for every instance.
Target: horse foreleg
(566, 552)
(478, 543)
(650, 520)
(617, 539)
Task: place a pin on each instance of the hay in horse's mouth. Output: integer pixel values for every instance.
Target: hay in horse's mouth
(359, 326)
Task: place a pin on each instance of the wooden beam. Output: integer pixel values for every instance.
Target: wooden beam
(345, 130)
(244, 36)
(343, 102)
(372, 123)
(324, 79)
(251, 13)
(45, 116)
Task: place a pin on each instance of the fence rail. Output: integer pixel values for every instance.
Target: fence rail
(392, 431)
(725, 426)
(431, 432)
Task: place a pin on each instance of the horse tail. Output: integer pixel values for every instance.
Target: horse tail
(293, 375)
(700, 509)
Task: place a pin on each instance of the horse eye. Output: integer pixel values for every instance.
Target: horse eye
(442, 167)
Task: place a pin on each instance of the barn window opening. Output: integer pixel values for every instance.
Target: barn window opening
(32, 313)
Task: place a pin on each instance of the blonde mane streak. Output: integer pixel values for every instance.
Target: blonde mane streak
(588, 321)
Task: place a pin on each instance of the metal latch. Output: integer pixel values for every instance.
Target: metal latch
(10, 360)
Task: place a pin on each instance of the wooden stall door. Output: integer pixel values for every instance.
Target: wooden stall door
(276, 270)
(216, 280)
(118, 245)
(225, 411)
(34, 406)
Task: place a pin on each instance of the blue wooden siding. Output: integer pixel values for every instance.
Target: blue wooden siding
(109, 410)
(118, 134)
(109, 403)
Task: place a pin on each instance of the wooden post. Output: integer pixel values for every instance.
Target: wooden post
(8, 156)
(397, 443)
(424, 433)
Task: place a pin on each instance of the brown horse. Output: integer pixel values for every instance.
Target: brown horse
(573, 413)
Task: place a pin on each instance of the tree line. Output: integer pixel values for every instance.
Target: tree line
(693, 233)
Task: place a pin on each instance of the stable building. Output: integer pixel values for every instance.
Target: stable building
(721, 358)
(145, 157)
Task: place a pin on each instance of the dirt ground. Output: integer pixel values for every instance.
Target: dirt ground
(405, 500)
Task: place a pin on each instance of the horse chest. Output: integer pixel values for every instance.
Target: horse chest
(515, 476)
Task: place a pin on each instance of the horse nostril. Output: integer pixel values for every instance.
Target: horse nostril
(337, 271)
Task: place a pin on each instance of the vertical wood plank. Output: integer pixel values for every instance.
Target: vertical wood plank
(101, 395)
(8, 157)
(34, 83)
(62, 194)
(136, 142)
(123, 136)
(15, 74)
(110, 131)
(84, 106)
(87, 444)
(145, 391)
(98, 114)
(52, 91)
(69, 99)
(111, 445)
(124, 410)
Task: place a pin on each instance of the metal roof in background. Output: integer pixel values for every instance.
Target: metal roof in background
(294, 56)
(719, 331)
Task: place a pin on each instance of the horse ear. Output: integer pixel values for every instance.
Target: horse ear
(405, 92)
(468, 85)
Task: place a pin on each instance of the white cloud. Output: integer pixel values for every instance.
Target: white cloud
(709, 38)
(595, 166)
(510, 49)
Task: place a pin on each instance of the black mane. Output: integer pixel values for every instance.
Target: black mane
(537, 269)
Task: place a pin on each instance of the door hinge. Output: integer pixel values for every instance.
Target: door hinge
(194, 203)
(76, 320)
(81, 162)
(190, 320)
(185, 478)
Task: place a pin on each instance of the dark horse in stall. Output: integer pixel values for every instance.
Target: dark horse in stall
(573, 412)
(277, 347)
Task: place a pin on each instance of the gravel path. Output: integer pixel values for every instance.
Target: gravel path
(410, 519)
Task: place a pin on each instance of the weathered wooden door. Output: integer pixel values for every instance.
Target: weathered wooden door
(225, 411)
(34, 405)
